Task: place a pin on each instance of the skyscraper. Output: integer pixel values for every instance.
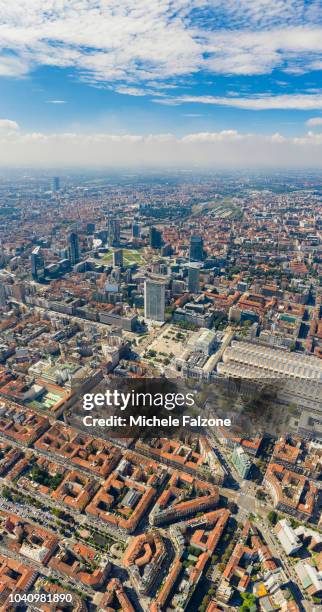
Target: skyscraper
(196, 248)
(193, 279)
(55, 183)
(90, 228)
(37, 264)
(118, 258)
(114, 232)
(154, 300)
(3, 296)
(73, 248)
(155, 238)
(136, 230)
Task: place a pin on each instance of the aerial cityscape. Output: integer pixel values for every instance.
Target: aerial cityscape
(199, 277)
(160, 306)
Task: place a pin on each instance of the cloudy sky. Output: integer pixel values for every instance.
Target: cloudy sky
(184, 82)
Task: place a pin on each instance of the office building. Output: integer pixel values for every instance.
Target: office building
(90, 228)
(154, 300)
(166, 250)
(310, 577)
(118, 258)
(193, 279)
(288, 538)
(155, 238)
(55, 184)
(3, 296)
(73, 248)
(241, 461)
(114, 232)
(242, 286)
(136, 230)
(178, 287)
(37, 264)
(196, 248)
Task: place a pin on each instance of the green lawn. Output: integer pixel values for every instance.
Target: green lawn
(130, 256)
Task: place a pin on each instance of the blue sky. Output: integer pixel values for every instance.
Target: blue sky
(55, 99)
(226, 70)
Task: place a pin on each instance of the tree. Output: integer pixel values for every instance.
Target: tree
(272, 517)
(232, 506)
(249, 602)
(260, 494)
(6, 492)
(194, 551)
(57, 512)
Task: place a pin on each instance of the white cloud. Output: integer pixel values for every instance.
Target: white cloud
(309, 139)
(13, 66)
(106, 41)
(256, 102)
(131, 43)
(130, 91)
(259, 52)
(278, 138)
(314, 121)
(265, 14)
(7, 125)
(227, 148)
(224, 135)
(57, 102)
